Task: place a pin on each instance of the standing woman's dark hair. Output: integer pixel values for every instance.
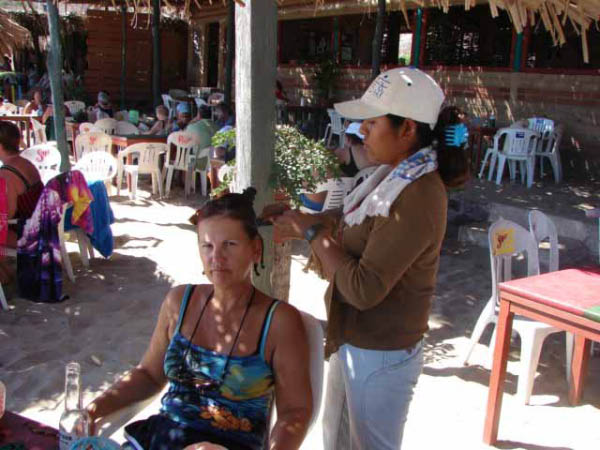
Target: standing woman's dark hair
(239, 207)
(10, 137)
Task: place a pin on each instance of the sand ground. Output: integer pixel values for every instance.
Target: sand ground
(106, 323)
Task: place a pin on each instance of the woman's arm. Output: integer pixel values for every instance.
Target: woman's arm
(148, 377)
(293, 394)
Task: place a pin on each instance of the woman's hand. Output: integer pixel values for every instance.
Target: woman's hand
(292, 224)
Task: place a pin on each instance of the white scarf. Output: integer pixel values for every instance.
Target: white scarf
(375, 195)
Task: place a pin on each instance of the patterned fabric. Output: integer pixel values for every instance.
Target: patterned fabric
(238, 412)
(39, 270)
(72, 187)
(3, 215)
(375, 196)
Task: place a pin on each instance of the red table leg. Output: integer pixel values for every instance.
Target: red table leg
(502, 346)
(581, 356)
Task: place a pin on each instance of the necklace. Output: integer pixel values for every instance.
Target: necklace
(201, 384)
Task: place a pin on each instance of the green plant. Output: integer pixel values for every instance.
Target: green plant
(300, 163)
(326, 74)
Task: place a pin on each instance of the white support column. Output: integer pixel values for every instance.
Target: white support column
(255, 70)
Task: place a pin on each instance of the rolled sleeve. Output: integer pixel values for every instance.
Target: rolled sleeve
(393, 245)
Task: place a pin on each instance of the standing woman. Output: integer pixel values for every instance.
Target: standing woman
(382, 257)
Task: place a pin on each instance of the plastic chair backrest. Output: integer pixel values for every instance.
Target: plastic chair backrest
(86, 127)
(337, 189)
(187, 145)
(174, 93)
(121, 115)
(518, 141)
(336, 121)
(125, 128)
(74, 106)
(8, 108)
(96, 166)
(215, 98)
(92, 142)
(541, 228)
(148, 154)
(43, 156)
(541, 125)
(106, 125)
(39, 132)
(506, 240)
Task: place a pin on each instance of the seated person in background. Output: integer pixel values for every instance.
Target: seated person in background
(103, 108)
(280, 95)
(354, 161)
(225, 349)
(203, 126)
(36, 106)
(183, 117)
(224, 116)
(162, 121)
(23, 186)
(6, 64)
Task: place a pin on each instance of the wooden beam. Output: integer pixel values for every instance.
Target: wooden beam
(255, 66)
(55, 64)
(156, 54)
(378, 40)
(123, 53)
(230, 51)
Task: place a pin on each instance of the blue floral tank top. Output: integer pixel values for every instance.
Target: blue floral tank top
(239, 410)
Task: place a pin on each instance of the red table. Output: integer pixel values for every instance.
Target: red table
(567, 299)
(476, 136)
(35, 436)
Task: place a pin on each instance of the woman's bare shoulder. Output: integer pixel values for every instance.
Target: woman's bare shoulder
(175, 296)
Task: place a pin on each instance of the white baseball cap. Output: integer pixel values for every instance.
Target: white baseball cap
(404, 92)
(354, 128)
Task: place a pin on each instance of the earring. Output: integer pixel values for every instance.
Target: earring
(203, 272)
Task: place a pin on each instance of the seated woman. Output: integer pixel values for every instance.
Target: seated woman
(162, 120)
(103, 109)
(353, 160)
(23, 185)
(36, 106)
(225, 349)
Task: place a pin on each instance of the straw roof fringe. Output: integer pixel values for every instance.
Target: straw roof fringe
(13, 34)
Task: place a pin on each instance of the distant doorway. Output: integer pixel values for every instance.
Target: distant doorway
(213, 55)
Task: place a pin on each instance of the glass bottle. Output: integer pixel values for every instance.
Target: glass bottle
(74, 421)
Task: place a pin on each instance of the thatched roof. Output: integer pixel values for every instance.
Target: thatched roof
(13, 34)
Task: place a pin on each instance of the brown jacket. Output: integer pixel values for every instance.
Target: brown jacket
(381, 297)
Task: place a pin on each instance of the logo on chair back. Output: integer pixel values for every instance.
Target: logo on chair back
(520, 135)
(41, 155)
(183, 140)
(503, 242)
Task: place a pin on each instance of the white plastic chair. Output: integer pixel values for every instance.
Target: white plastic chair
(148, 155)
(121, 116)
(106, 125)
(335, 126)
(186, 144)
(112, 425)
(92, 142)
(85, 247)
(126, 128)
(548, 147)
(337, 189)
(518, 145)
(46, 158)
(203, 157)
(98, 166)
(86, 127)
(170, 104)
(506, 240)
(38, 132)
(74, 106)
(8, 109)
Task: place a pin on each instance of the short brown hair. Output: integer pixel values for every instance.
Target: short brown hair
(10, 137)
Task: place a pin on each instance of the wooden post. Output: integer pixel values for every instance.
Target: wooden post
(55, 74)
(518, 54)
(416, 50)
(156, 57)
(230, 50)
(123, 53)
(377, 40)
(255, 65)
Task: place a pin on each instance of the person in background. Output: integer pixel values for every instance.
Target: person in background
(381, 254)
(103, 108)
(36, 106)
(32, 76)
(162, 121)
(354, 162)
(183, 117)
(23, 186)
(6, 65)
(280, 95)
(203, 126)
(223, 116)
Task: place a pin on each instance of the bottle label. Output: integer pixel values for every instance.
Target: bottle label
(64, 440)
